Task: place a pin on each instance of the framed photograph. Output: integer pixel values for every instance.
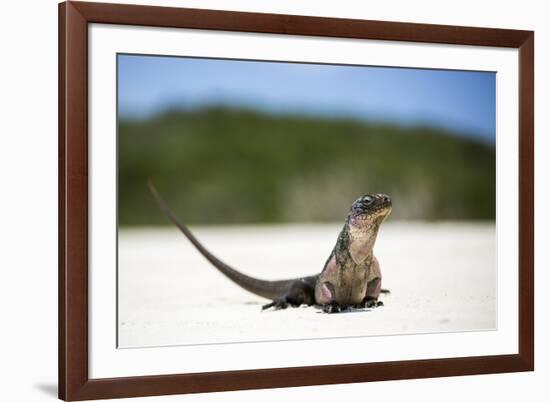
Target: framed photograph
(258, 200)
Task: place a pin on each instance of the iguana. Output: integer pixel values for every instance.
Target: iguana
(351, 277)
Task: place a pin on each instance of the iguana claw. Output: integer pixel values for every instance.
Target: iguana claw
(372, 303)
(278, 304)
(331, 308)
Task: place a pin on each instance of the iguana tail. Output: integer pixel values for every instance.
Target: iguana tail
(268, 289)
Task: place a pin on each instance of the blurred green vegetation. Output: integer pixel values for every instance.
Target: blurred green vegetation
(222, 166)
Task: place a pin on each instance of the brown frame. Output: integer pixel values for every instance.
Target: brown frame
(74, 383)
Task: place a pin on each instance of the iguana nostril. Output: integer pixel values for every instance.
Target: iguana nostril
(384, 197)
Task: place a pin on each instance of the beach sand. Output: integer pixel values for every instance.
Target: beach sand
(442, 278)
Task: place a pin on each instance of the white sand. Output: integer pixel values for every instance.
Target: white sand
(442, 278)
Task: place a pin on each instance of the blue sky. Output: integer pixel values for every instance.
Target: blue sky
(460, 101)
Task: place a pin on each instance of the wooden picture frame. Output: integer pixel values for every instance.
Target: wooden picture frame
(74, 381)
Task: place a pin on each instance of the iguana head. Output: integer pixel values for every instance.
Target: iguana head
(370, 209)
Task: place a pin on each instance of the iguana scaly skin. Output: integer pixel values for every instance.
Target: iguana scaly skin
(351, 277)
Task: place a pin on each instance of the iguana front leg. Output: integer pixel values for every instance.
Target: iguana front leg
(328, 296)
(374, 286)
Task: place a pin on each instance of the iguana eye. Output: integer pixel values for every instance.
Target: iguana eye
(367, 200)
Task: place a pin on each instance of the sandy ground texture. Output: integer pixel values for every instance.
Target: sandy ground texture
(442, 278)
